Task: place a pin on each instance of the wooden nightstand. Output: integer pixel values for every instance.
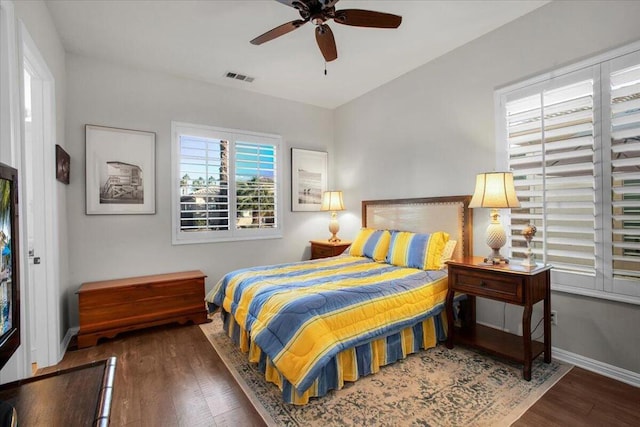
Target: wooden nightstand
(509, 283)
(325, 248)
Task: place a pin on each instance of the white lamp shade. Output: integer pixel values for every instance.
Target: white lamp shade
(494, 190)
(332, 201)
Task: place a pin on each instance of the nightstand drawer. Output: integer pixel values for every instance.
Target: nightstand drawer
(503, 288)
(321, 251)
(325, 249)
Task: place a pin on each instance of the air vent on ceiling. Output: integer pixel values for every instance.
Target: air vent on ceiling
(237, 76)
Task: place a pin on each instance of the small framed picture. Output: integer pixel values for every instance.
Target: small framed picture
(308, 179)
(120, 171)
(63, 165)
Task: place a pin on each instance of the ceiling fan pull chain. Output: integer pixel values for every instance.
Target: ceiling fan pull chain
(325, 68)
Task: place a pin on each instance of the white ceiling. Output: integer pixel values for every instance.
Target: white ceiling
(204, 40)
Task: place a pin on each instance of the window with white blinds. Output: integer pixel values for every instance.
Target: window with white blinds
(226, 184)
(572, 142)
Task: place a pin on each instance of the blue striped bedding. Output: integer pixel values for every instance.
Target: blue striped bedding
(299, 318)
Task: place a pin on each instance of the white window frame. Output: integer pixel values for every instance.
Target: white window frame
(233, 234)
(603, 284)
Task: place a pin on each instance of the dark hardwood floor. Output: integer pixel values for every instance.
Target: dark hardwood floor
(582, 398)
(170, 376)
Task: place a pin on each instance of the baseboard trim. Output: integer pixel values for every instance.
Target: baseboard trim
(67, 339)
(601, 368)
(614, 372)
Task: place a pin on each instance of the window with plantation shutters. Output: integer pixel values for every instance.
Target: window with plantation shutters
(550, 137)
(255, 185)
(226, 184)
(572, 141)
(622, 131)
(204, 184)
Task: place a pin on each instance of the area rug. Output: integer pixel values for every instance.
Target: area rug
(436, 387)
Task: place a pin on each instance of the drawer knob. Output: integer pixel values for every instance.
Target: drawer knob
(483, 284)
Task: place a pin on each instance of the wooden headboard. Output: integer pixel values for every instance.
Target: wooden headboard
(424, 215)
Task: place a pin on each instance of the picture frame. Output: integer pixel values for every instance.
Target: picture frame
(308, 179)
(120, 171)
(63, 165)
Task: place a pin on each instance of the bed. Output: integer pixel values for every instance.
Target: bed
(310, 326)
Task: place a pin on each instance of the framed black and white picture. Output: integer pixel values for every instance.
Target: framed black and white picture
(308, 179)
(120, 171)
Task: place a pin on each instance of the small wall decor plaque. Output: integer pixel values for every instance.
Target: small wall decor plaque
(63, 165)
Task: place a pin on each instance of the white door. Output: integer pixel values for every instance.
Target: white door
(42, 297)
(33, 206)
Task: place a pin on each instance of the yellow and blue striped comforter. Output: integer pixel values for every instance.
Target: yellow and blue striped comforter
(303, 314)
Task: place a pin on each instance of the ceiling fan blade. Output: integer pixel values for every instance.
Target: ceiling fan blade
(367, 18)
(326, 42)
(278, 31)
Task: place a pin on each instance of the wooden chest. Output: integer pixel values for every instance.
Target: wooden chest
(109, 307)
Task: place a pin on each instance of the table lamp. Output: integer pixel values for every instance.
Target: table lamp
(332, 201)
(495, 190)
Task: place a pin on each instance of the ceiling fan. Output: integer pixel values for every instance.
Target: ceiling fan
(319, 12)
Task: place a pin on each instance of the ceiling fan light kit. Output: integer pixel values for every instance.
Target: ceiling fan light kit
(319, 12)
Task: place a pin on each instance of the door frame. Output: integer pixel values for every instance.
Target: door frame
(10, 152)
(48, 340)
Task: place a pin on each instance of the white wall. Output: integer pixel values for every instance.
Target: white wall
(36, 18)
(115, 246)
(429, 132)
(425, 134)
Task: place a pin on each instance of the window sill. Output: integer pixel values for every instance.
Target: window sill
(184, 241)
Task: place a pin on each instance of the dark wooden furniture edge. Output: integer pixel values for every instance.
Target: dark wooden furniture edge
(54, 373)
(103, 409)
(467, 220)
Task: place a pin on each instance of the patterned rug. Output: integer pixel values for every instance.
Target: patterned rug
(436, 387)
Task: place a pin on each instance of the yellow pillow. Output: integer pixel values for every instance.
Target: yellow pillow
(417, 250)
(371, 243)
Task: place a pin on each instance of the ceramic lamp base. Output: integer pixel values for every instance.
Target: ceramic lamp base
(496, 258)
(496, 239)
(334, 227)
